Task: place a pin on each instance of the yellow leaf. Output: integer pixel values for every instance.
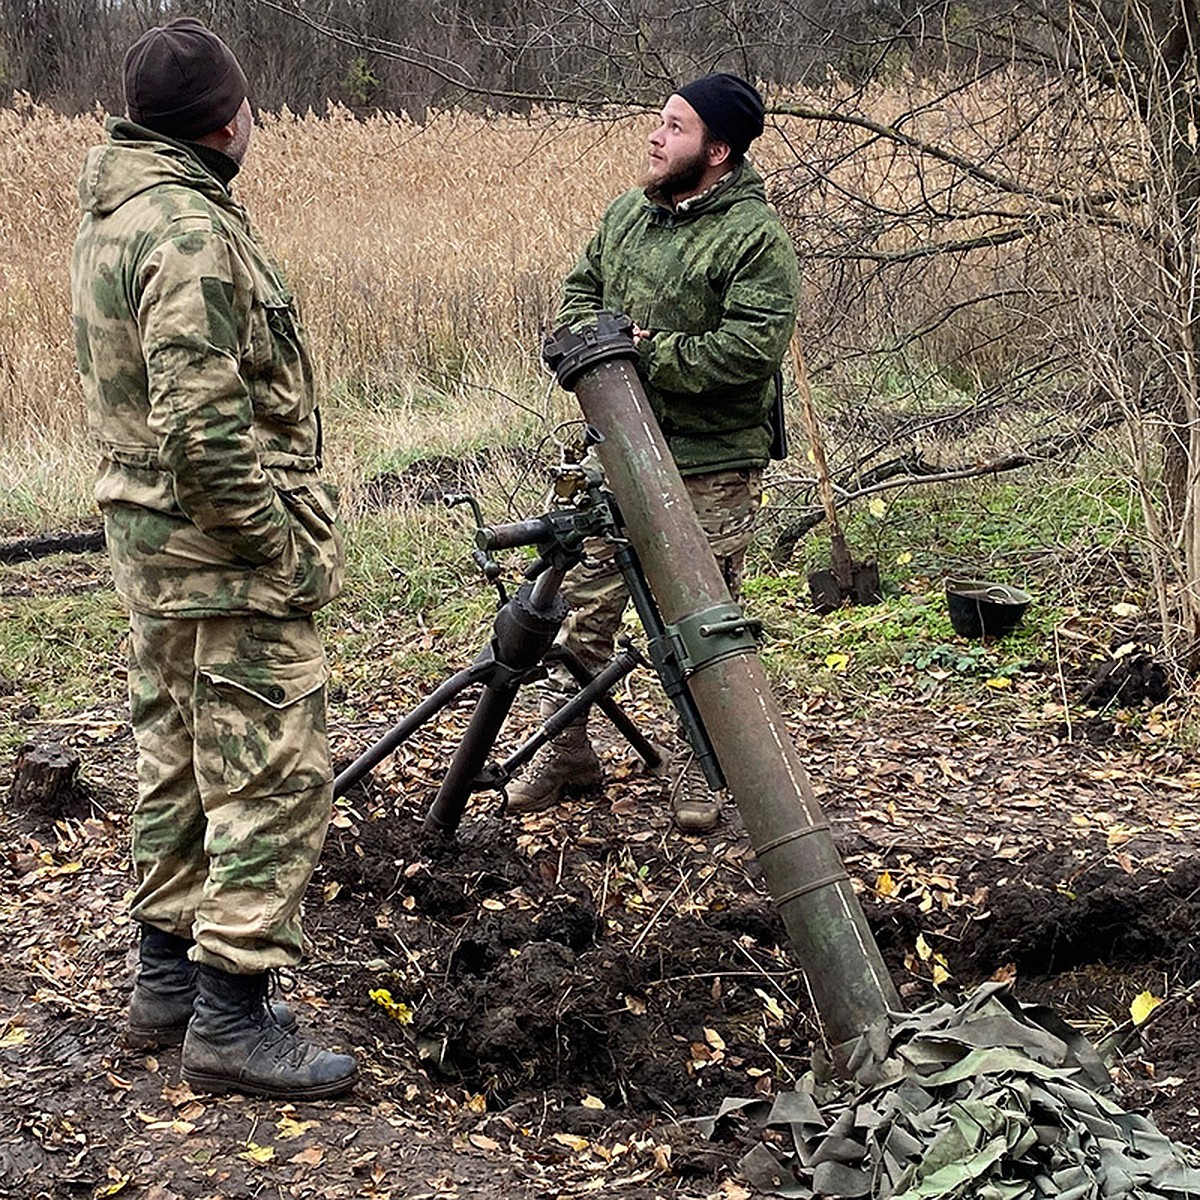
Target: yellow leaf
(998, 682)
(590, 1101)
(257, 1154)
(331, 890)
(885, 885)
(764, 499)
(636, 1005)
(837, 661)
(924, 953)
(394, 1008)
(1142, 1005)
(569, 1139)
(287, 1128)
(493, 905)
(15, 1035)
(477, 1103)
(904, 558)
(877, 508)
(714, 1039)
(1119, 834)
(111, 1189)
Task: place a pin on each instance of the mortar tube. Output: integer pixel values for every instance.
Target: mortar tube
(792, 840)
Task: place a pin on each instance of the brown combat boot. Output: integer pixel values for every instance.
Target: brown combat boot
(233, 1043)
(165, 991)
(695, 807)
(567, 766)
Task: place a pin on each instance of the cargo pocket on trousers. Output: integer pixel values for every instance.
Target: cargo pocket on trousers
(263, 726)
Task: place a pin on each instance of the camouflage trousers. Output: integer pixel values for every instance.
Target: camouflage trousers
(234, 781)
(726, 503)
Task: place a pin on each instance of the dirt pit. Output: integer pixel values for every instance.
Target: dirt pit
(538, 966)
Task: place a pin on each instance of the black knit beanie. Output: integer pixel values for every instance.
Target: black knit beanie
(730, 108)
(182, 80)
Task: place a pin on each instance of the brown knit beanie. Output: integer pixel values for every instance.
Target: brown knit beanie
(182, 80)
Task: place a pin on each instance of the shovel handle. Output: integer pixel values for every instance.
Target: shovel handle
(813, 430)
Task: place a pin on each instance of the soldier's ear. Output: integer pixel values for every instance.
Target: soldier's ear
(718, 152)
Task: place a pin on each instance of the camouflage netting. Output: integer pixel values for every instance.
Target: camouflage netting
(989, 1100)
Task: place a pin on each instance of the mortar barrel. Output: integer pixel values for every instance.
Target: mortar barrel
(849, 982)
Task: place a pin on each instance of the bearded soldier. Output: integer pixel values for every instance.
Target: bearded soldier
(709, 277)
(224, 540)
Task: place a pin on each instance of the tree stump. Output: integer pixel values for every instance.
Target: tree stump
(46, 779)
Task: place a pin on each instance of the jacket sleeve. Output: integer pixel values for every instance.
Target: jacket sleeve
(758, 313)
(201, 411)
(582, 290)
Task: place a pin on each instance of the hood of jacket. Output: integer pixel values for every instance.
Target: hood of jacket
(133, 161)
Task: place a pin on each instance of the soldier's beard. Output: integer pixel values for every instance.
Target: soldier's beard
(684, 177)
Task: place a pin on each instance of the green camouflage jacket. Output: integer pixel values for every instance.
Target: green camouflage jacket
(717, 283)
(200, 393)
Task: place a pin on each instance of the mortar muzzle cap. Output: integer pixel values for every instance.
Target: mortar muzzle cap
(569, 352)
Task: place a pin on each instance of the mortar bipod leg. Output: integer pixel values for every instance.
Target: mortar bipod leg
(645, 749)
(407, 726)
(522, 633)
(594, 690)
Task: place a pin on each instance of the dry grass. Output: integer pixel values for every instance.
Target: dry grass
(427, 260)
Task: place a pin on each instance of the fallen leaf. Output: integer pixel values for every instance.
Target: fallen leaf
(287, 1128)
(570, 1140)
(1142, 1005)
(257, 1154)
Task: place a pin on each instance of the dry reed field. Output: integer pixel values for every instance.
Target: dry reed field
(427, 259)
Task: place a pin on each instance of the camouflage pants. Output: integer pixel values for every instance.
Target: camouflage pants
(234, 781)
(726, 503)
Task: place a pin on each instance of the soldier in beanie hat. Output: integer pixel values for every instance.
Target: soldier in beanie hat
(224, 541)
(708, 275)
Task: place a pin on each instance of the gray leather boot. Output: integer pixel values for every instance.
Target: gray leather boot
(566, 766)
(165, 990)
(234, 1044)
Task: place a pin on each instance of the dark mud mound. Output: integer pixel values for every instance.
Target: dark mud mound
(570, 958)
(1047, 917)
(1139, 678)
(524, 976)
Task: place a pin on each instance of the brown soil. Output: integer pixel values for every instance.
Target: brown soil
(564, 992)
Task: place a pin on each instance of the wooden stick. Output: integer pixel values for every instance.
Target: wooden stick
(842, 570)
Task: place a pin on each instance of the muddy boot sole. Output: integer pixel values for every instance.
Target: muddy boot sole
(220, 1085)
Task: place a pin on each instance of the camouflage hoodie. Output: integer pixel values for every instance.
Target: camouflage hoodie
(717, 282)
(200, 393)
